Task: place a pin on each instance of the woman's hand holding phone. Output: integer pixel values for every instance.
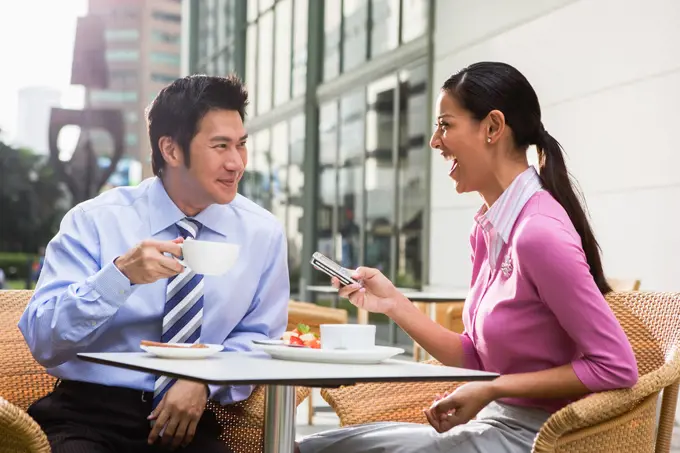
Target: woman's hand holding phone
(375, 292)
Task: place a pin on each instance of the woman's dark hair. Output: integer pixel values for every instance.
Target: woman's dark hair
(486, 86)
(179, 107)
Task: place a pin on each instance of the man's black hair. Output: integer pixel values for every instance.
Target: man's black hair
(179, 107)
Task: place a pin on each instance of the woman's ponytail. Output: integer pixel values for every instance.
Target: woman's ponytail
(557, 181)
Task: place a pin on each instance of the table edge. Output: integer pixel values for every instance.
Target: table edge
(331, 382)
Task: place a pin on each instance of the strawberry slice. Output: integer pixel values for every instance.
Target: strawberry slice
(296, 341)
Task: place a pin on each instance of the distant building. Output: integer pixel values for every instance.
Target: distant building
(143, 55)
(33, 116)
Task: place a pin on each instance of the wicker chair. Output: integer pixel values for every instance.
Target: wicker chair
(314, 315)
(613, 421)
(23, 380)
(624, 284)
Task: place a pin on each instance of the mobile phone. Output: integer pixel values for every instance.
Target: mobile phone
(332, 269)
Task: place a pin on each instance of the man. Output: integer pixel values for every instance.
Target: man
(110, 280)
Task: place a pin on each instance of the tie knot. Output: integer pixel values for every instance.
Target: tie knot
(189, 227)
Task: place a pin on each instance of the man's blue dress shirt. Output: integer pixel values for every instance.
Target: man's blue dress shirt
(83, 303)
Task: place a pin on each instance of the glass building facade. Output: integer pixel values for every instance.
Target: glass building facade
(339, 115)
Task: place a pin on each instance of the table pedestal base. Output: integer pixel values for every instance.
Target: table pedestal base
(279, 419)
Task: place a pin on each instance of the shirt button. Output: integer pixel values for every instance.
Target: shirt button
(93, 323)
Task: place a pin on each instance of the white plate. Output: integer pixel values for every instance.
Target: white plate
(366, 356)
(183, 353)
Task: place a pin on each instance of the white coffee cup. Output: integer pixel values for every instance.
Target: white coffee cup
(347, 336)
(207, 257)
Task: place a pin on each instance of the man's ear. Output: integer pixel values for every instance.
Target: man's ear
(171, 152)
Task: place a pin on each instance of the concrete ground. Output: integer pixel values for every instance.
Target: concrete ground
(325, 418)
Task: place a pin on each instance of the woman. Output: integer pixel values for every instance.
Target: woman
(535, 312)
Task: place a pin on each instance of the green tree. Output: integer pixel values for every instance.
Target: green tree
(32, 200)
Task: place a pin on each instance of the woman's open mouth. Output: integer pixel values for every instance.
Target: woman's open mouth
(450, 158)
(454, 165)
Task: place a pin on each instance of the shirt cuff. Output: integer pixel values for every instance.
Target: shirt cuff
(229, 394)
(112, 285)
(584, 373)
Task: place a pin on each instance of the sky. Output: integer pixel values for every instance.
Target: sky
(36, 48)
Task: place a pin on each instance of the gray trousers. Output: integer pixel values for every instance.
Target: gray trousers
(498, 428)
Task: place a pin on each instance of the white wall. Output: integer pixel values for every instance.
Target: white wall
(607, 73)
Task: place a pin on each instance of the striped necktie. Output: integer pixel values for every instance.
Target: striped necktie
(183, 312)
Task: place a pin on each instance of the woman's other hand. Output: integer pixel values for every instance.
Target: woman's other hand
(459, 407)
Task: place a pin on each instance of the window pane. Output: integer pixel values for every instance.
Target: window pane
(262, 159)
(265, 60)
(247, 185)
(202, 32)
(170, 59)
(417, 13)
(163, 78)
(226, 17)
(284, 22)
(167, 17)
(121, 35)
(211, 29)
(296, 182)
(122, 55)
(251, 66)
(331, 65)
(165, 37)
(113, 96)
(252, 10)
(210, 67)
(121, 12)
(221, 20)
(379, 181)
(354, 44)
(225, 62)
(300, 48)
(122, 79)
(414, 135)
(328, 149)
(351, 153)
(279, 170)
(265, 4)
(384, 26)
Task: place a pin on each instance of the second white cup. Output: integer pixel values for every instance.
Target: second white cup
(347, 336)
